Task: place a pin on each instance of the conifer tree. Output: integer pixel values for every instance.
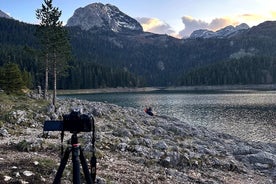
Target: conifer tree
(12, 79)
(54, 41)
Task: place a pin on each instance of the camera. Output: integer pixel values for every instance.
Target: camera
(73, 122)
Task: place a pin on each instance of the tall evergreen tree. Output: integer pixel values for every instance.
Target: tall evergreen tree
(54, 41)
(12, 80)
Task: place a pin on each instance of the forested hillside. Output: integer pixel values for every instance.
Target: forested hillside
(102, 58)
(161, 59)
(246, 70)
(19, 44)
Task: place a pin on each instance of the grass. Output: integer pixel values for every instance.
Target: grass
(13, 103)
(10, 103)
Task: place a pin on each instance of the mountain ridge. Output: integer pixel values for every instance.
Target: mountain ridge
(103, 16)
(226, 32)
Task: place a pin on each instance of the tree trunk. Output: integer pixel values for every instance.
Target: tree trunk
(46, 77)
(55, 81)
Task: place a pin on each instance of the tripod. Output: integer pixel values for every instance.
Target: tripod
(77, 156)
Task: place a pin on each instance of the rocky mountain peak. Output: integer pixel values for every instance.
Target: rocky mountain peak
(242, 26)
(226, 32)
(98, 15)
(4, 15)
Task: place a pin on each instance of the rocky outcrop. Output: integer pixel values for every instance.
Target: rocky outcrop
(133, 147)
(4, 15)
(108, 17)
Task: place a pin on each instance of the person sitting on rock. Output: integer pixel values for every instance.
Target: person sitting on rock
(149, 111)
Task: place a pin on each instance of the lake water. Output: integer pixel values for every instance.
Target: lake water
(248, 115)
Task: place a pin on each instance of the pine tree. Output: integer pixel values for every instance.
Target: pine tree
(12, 79)
(54, 41)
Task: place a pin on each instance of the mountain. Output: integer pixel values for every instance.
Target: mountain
(109, 17)
(4, 15)
(226, 32)
(150, 59)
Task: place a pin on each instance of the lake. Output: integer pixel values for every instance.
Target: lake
(249, 115)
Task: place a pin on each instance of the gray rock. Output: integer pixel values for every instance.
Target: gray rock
(28, 173)
(122, 146)
(7, 178)
(262, 160)
(19, 116)
(156, 154)
(161, 145)
(122, 132)
(262, 166)
(96, 113)
(4, 132)
(242, 149)
(50, 109)
(158, 131)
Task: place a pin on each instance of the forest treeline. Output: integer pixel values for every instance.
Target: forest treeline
(246, 70)
(79, 75)
(87, 75)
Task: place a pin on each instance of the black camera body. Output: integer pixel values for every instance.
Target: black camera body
(73, 122)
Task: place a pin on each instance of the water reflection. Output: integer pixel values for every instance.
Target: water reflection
(249, 116)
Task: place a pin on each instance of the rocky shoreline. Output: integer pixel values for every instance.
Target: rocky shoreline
(131, 147)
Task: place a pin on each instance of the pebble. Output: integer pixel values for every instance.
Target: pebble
(28, 173)
(7, 178)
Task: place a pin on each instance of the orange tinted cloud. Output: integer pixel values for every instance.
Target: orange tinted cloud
(251, 19)
(155, 25)
(191, 24)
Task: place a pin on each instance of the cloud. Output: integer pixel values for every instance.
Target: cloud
(192, 24)
(273, 14)
(254, 19)
(219, 23)
(155, 25)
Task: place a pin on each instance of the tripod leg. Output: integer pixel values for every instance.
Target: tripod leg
(76, 164)
(85, 168)
(93, 163)
(62, 165)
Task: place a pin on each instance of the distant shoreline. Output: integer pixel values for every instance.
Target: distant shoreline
(106, 90)
(242, 88)
(253, 87)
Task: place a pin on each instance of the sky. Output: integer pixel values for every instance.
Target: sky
(177, 18)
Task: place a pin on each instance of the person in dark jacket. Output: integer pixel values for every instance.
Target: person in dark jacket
(149, 111)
